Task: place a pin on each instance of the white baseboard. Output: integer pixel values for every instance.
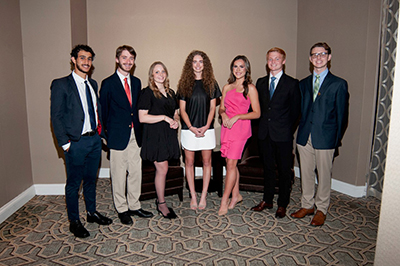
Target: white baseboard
(16, 203)
(50, 189)
(348, 189)
(104, 173)
(342, 187)
(59, 189)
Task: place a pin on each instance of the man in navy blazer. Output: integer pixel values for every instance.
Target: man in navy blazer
(324, 116)
(279, 97)
(123, 132)
(76, 121)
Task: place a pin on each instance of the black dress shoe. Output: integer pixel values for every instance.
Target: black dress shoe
(281, 212)
(125, 218)
(261, 206)
(96, 217)
(77, 229)
(141, 213)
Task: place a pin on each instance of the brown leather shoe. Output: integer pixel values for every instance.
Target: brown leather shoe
(319, 219)
(281, 212)
(261, 206)
(302, 213)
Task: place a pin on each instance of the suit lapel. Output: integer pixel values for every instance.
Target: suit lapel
(133, 93)
(279, 86)
(74, 89)
(265, 90)
(120, 90)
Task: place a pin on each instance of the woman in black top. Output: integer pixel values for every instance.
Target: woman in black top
(158, 111)
(197, 93)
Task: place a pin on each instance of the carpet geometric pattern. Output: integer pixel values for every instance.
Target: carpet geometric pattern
(38, 234)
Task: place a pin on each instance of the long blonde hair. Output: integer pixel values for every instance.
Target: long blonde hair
(152, 84)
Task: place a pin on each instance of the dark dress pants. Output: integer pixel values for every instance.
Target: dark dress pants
(82, 162)
(277, 156)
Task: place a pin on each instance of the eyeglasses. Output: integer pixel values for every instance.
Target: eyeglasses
(322, 55)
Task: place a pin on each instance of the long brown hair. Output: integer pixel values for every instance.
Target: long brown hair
(247, 78)
(152, 84)
(186, 82)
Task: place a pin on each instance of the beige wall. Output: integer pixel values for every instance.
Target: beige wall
(169, 30)
(15, 157)
(351, 28)
(46, 40)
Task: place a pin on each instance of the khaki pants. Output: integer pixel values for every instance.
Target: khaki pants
(126, 176)
(322, 160)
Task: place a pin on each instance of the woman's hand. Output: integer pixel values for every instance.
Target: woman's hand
(231, 121)
(172, 123)
(203, 130)
(196, 131)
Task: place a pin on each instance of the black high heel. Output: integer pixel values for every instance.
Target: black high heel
(170, 215)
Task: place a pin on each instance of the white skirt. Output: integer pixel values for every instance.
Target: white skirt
(192, 143)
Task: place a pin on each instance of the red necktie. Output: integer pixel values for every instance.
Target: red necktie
(128, 91)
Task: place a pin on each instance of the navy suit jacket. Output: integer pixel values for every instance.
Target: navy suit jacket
(279, 115)
(118, 115)
(326, 118)
(66, 109)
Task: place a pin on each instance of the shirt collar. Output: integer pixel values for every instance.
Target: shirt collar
(322, 75)
(78, 78)
(122, 77)
(277, 76)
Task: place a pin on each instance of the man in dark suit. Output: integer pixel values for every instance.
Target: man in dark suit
(279, 96)
(123, 132)
(76, 122)
(324, 115)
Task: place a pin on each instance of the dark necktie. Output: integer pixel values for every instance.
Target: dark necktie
(272, 87)
(90, 107)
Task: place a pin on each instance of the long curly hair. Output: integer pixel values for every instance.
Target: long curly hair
(186, 82)
(247, 78)
(152, 84)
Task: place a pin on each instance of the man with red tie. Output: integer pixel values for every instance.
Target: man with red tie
(123, 132)
(76, 121)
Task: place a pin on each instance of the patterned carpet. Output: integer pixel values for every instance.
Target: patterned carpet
(37, 234)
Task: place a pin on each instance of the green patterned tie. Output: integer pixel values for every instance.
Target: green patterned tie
(316, 87)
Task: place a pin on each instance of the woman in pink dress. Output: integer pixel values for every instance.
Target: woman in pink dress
(237, 96)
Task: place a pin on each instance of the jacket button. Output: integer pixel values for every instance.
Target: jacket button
(131, 114)
(130, 125)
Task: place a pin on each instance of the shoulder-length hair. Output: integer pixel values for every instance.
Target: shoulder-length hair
(187, 79)
(247, 78)
(152, 84)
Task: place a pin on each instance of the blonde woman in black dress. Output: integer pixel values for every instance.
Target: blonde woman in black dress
(158, 111)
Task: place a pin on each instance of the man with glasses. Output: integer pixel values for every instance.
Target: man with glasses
(324, 115)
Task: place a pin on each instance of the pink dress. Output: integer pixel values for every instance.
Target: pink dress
(234, 139)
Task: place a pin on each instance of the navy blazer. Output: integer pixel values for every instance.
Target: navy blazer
(326, 118)
(66, 109)
(118, 115)
(280, 114)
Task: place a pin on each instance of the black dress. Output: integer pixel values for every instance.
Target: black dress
(198, 105)
(160, 142)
